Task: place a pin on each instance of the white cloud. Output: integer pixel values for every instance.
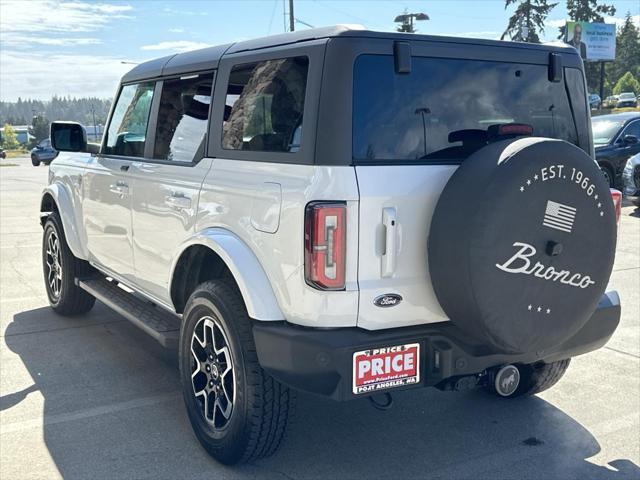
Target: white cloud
(55, 16)
(176, 30)
(29, 27)
(177, 46)
(41, 76)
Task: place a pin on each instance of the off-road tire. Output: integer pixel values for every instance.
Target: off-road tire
(261, 406)
(537, 378)
(71, 300)
(34, 161)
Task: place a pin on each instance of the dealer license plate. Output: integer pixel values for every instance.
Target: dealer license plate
(386, 367)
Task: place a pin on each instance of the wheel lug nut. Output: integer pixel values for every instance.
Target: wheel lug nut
(208, 368)
(211, 383)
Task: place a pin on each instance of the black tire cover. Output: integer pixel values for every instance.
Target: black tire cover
(522, 243)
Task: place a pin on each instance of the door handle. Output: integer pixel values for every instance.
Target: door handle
(146, 167)
(178, 201)
(120, 188)
(390, 225)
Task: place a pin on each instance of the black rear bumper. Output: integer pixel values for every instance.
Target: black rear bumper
(320, 361)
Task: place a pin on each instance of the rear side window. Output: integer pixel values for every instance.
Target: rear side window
(182, 118)
(265, 105)
(128, 128)
(444, 108)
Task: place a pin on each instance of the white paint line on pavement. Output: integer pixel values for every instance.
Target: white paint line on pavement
(23, 299)
(89, 413)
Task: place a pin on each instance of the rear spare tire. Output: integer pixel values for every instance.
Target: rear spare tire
(522, 243)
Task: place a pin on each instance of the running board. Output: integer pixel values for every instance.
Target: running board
(157, 322)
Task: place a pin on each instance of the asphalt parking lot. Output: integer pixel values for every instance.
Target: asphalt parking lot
(92, 397)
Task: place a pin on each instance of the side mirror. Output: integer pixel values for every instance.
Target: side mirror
(70, 137)
(630, 139)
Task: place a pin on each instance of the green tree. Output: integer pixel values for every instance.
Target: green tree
(527, 20)
(627, 83)
(627, 51)
(9, 138)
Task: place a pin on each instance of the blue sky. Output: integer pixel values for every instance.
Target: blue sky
(76, 47)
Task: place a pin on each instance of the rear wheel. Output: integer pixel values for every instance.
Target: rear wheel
(238, 412)
(60, 269)
(34, 161)
(535, 378)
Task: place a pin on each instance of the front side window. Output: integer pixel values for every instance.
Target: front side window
(632, 129)
(264, 105)
(128, 127)
(182, 118)
(446, 109)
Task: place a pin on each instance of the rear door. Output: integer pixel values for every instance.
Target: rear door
(410, 132)
(166, 184)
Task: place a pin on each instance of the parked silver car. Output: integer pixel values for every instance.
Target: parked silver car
(631, 177)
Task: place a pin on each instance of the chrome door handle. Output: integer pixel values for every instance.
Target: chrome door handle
(120, 188)
(146, 167)
(178, 201)
(389, 256)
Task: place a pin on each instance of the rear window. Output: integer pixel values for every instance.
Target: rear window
(443, 109)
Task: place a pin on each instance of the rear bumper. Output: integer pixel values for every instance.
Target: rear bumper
(320, 361)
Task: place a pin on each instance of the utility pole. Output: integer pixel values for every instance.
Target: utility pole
(292, 20)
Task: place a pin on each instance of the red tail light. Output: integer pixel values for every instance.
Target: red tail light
(616, 195)
(325, 245)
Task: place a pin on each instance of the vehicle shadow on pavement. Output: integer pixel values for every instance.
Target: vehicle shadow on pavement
(112, 409)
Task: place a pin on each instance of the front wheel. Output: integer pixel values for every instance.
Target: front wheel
(607, 173)
(238, 412)
(34, 161)
(61, 268)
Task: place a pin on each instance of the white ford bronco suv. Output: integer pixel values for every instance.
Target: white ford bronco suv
(341, 212)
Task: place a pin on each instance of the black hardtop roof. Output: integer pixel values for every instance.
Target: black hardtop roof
(208, 58)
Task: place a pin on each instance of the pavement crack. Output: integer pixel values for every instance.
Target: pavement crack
(623, 352)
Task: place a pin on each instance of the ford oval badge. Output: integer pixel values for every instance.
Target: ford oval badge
(387, 300)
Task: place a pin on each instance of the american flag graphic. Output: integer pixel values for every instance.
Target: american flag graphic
(559, 216)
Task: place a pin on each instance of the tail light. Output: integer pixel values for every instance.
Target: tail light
(325, 245)
(616, 195)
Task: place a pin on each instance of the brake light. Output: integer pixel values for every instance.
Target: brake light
(325, 245)
(616, 195)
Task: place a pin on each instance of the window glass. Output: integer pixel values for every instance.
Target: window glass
(444, 108)
(632, 129)
(264, 105)
(182, 118)
(128, 127)
(575, 85)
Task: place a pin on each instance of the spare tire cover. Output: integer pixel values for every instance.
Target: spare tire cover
(522, 243)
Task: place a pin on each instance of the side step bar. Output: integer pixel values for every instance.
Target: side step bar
(157, 322)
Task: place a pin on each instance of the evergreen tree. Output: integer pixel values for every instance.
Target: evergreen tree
(527, 20)
(39, 128)
(627, 51)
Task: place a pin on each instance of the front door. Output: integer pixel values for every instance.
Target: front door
(107, 188)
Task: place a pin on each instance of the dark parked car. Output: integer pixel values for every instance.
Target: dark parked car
(616, 137)
(43, 153)
(3, 154)
(631, 178)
